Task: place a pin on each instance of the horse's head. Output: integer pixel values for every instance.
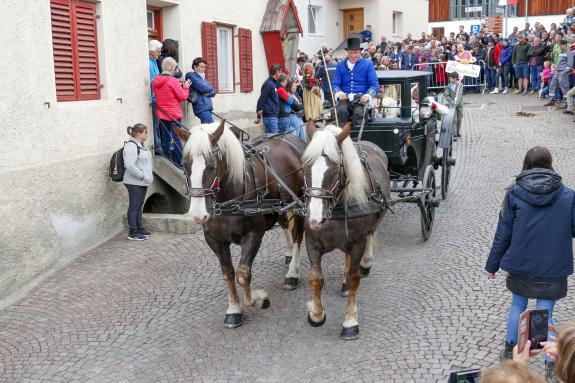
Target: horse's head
(212, 156)
(323, 172)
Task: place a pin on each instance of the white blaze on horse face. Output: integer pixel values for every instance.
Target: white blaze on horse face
(318, 170)
(198, 205)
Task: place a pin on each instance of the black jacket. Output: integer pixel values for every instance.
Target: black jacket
(269, 100)
(537, 52)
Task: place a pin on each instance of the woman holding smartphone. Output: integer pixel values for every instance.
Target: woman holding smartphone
(533, 241)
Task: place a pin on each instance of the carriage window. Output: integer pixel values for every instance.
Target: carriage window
(388, 102)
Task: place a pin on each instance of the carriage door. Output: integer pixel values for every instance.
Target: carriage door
(352, 21)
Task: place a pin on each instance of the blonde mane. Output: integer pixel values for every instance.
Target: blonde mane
(325, 142)
(199, 145)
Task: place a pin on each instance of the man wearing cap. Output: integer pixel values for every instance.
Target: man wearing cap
(564, 67)
(355, 84)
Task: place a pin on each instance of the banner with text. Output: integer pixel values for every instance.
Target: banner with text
(468, 70)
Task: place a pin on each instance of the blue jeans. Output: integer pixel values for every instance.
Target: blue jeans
(545, 91)
(156, 129)
(490, 77)
(283, 124)
(171, 144)
(205, 117)
(535, 71)
(296, 122)
(271, 124)
(518, 305)
(136, 196)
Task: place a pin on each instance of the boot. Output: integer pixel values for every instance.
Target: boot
(507, 352)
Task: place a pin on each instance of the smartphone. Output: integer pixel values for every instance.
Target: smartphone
(533, 326)
(467, 376)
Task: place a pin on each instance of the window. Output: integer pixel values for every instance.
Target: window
(154, 18)
(396, 26)
(75, 48)
(314, 20)
(225, 59)
(474, 9)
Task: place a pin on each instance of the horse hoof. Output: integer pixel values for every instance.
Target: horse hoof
(266, 303)
(233, 320)
(290, 283)
(350, 333)
(314, 323)
(364, 270)
(288, 260)
(344, 290)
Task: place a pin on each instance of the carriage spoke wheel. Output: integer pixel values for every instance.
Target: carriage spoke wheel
(428, 203)
(446, 164)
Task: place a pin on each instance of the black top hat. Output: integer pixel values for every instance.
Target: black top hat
(353, 43)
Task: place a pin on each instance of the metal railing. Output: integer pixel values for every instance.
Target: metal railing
(438, 79)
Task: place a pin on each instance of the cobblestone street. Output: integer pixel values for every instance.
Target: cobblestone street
(153, 311)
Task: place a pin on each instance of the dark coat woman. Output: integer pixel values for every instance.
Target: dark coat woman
(533, 241)
(169, 49)
(205, 91)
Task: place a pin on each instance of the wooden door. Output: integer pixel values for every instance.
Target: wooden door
(352, 21)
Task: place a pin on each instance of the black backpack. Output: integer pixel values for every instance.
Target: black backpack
(117, 167)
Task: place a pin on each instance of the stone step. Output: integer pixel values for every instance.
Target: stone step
(171, 223)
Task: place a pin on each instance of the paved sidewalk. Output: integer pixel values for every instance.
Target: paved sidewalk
(153, 311)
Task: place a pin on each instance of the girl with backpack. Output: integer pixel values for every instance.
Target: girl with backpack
(137, 177)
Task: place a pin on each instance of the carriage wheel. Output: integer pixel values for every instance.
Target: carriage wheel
(428, 203)
(446, 163)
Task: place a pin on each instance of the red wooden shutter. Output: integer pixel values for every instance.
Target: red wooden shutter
(75, 50)
(210, 52)
(87, 52)
(246, 68)
(62, 43)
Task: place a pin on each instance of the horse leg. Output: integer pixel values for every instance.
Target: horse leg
(367, 259)
(344, 286)
(234, 311)
(350, 328)
(316, 314)
(285, 223)
(250, 245)
(292, 276)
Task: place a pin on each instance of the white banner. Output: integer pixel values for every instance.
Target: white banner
(468, 70)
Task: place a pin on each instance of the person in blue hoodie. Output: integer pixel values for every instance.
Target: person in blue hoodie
(203, 104)
(533, 242)
(505, 66)
(155, 49)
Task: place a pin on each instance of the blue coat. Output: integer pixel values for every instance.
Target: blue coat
(362, 79)
(269, 100)
(535, 229)
(407, 62)
(505, 56)
(201, 86)
(152, 63)
(322, 74)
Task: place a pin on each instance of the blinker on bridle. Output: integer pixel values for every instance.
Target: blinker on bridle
(202, 192)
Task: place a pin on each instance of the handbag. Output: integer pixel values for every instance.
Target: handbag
(193, 96)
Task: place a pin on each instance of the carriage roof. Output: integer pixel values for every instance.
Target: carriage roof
(402, 74)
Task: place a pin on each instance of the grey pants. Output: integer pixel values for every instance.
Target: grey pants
(560, 79)
(459, 113)
(570, 96)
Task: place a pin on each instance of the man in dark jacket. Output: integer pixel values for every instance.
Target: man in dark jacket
(490, 65)
(323, 73)
(536, 54)
(520, 62)
(268, 102)
(533, 242)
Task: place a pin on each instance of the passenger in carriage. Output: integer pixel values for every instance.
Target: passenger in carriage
(355, 85)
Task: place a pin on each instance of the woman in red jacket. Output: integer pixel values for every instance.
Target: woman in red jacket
(170, 92)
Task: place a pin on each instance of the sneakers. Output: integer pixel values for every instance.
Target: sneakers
(504, 91)
(517, 91)
(144, 232)
(550, 103)
(507, 352)
(136, 237)
(494, 91)
(532, 91)
(524, 93)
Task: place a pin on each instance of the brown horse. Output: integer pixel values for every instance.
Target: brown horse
(219, 169)
(334, 171)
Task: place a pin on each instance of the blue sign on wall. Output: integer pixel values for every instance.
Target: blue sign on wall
(475, 28)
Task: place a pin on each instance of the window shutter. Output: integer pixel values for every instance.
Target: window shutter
(246, 69)
(87, 52)
(62, 43)
(210, 52)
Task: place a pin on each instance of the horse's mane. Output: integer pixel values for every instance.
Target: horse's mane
(325, 142)
(231, 150)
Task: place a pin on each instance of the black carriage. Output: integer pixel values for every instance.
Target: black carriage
(416, 139)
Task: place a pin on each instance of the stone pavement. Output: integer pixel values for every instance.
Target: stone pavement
(153, 311)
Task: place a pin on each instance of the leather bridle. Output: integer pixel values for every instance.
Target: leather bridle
(332, 195)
